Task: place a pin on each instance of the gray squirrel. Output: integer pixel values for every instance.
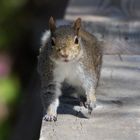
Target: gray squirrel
(68, 53)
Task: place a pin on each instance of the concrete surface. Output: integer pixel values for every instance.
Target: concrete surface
(117, 115)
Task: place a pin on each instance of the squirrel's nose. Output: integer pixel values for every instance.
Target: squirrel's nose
(64, 55)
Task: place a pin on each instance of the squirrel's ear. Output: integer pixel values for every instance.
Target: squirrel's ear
(77, 25)
(52, 25)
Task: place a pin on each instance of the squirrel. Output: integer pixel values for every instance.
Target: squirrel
(68, 53)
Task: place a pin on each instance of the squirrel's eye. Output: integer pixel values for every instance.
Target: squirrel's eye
(58, 49)
(53, 41)
(76, 40)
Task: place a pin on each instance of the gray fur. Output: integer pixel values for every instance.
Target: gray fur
(82, 69)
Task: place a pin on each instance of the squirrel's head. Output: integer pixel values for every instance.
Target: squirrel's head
(65, 40)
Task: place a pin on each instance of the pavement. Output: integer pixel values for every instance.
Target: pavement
(117, 115)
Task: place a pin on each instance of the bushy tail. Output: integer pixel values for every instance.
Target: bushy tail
(116, 37)
(116, 46)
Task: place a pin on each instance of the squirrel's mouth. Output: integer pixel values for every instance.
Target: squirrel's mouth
(66, 60)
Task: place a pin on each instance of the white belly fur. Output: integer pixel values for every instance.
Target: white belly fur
(71, 72)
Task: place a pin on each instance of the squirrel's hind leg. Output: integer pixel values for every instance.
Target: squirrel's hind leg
(90, 102)
(87, 98)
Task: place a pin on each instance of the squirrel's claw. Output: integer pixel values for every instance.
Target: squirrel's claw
(50, 118)
(90, 106)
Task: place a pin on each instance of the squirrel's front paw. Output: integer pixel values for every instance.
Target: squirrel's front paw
(50, 117)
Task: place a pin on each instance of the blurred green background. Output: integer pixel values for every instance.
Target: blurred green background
(10, 30)
(22, 23)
